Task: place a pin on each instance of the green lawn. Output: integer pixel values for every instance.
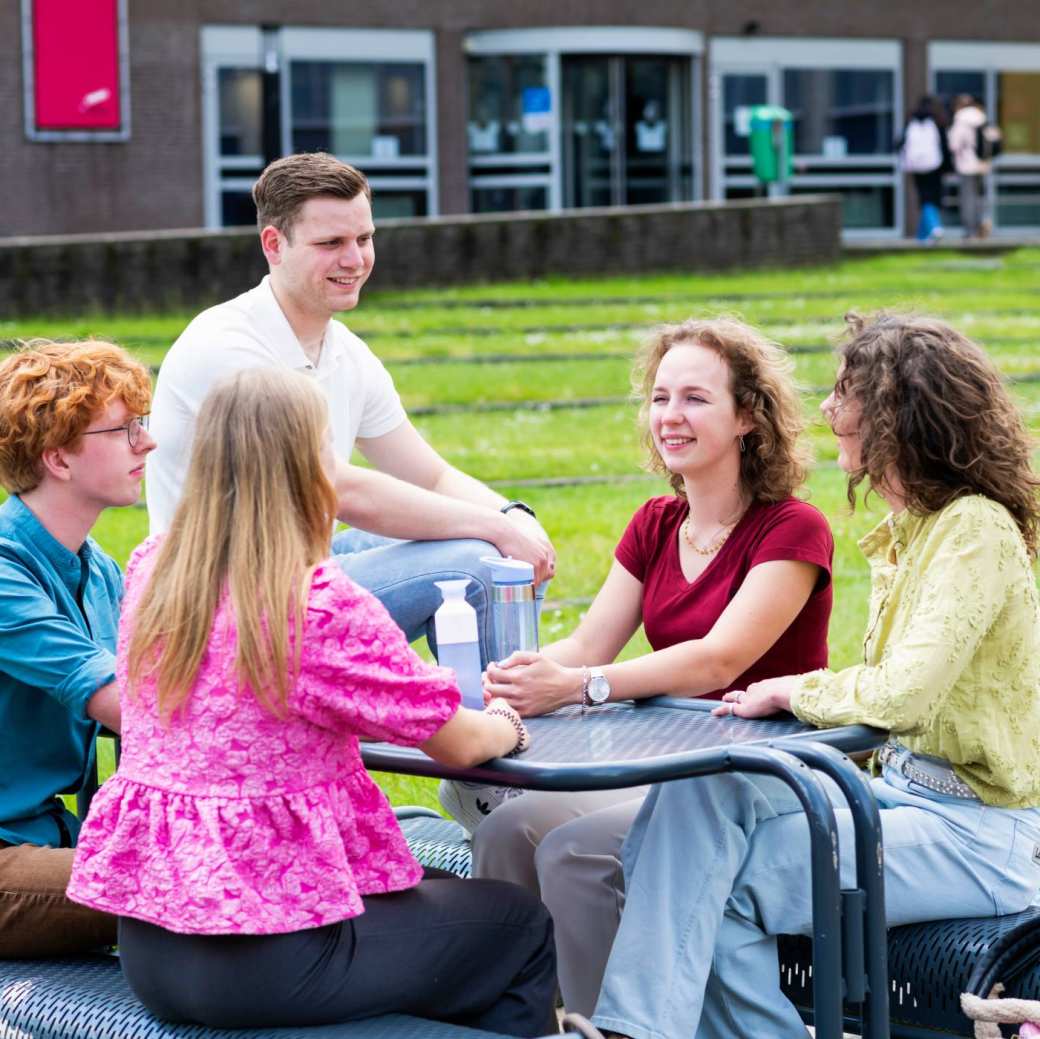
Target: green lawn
(509, 362)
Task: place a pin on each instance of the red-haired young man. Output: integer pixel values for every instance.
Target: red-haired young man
(73, 442)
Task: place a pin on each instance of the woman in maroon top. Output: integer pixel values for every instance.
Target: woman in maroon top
(730, 578)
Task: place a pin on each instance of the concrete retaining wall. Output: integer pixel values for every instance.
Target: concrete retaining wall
(187, 270)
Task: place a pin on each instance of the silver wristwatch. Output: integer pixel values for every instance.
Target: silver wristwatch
(597, 689)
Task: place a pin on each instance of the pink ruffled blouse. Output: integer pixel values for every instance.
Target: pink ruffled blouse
(228, 820)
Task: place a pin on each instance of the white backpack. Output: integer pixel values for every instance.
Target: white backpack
(922, 149)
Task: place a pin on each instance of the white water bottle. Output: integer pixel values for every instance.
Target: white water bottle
(455, 623)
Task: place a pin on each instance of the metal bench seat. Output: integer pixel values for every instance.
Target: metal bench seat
(931, 964)
(435, 841)
(87, 998)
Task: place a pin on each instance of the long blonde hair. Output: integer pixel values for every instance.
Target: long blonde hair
(255, 518)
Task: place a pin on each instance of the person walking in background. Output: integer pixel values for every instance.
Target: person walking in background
(924, 153)
(974, 144)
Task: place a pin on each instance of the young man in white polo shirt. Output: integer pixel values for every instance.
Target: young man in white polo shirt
(415, 518)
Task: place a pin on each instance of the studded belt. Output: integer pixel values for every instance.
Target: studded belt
(931, 773)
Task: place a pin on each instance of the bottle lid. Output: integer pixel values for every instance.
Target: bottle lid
(506, 570)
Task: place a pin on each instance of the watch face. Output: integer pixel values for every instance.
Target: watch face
(599, 689)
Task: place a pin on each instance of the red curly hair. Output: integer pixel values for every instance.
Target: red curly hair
(49, 394)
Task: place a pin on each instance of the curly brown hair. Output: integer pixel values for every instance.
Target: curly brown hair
(936, 415)
(49, 394)
(776, 460)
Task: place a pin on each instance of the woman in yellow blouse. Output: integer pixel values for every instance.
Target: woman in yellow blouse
(717, 866)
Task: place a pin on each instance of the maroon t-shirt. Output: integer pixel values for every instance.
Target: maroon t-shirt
(676, 610)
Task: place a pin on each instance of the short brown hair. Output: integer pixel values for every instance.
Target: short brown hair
(936, 413)
(775, 461)
(286, 184)
(50, 392)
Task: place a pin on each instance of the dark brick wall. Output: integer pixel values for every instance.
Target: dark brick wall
(155, 180)
(121, 273)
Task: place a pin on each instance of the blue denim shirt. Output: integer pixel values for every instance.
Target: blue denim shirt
(59, 619)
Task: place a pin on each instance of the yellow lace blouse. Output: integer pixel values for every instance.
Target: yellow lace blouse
(952, 649)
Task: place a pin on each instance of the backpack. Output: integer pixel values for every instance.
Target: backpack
(922, 147)
(989, 142)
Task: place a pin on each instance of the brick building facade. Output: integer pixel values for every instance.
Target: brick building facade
(457, 106)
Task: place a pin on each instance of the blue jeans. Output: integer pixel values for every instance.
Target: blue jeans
(717, 866)
(930, 221)
(401, 575)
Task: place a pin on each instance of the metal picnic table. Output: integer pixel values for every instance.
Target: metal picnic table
(661, 739)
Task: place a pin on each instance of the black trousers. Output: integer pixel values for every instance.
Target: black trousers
(469, 952)
(929, 187)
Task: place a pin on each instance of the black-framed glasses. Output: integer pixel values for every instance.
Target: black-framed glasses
(133, 429)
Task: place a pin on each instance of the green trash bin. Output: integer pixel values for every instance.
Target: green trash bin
(772, 143)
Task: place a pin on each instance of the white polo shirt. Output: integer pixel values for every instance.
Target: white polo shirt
(247, 332)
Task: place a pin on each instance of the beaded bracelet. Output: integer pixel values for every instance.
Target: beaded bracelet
(523, 737)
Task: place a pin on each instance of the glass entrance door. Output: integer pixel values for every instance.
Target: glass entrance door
(625, 127)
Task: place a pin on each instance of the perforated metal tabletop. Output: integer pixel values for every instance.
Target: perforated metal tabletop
(624, 744)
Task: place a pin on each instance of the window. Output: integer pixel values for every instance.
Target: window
(359, 109)
(508, 105)
(845, 100)
(1018, 101)
(240, 112)
(949, 84)
(740, 90)
(510, 116)
(366, 96)
(375, 112)
(841, 111)
(508, 199)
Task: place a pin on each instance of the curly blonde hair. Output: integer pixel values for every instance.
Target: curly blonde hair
(50, 392)
(937, 415)
(776, 461)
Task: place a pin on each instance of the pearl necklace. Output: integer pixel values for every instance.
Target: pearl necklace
(716, 542)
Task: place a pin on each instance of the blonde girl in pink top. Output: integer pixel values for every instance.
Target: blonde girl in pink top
(258, 872)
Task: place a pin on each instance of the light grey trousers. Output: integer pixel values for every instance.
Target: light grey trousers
(974, 204)
(566, 848)
(717, 866)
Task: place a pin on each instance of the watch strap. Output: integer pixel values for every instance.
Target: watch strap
(521, 505)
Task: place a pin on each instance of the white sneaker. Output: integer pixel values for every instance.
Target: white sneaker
(470, 803)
